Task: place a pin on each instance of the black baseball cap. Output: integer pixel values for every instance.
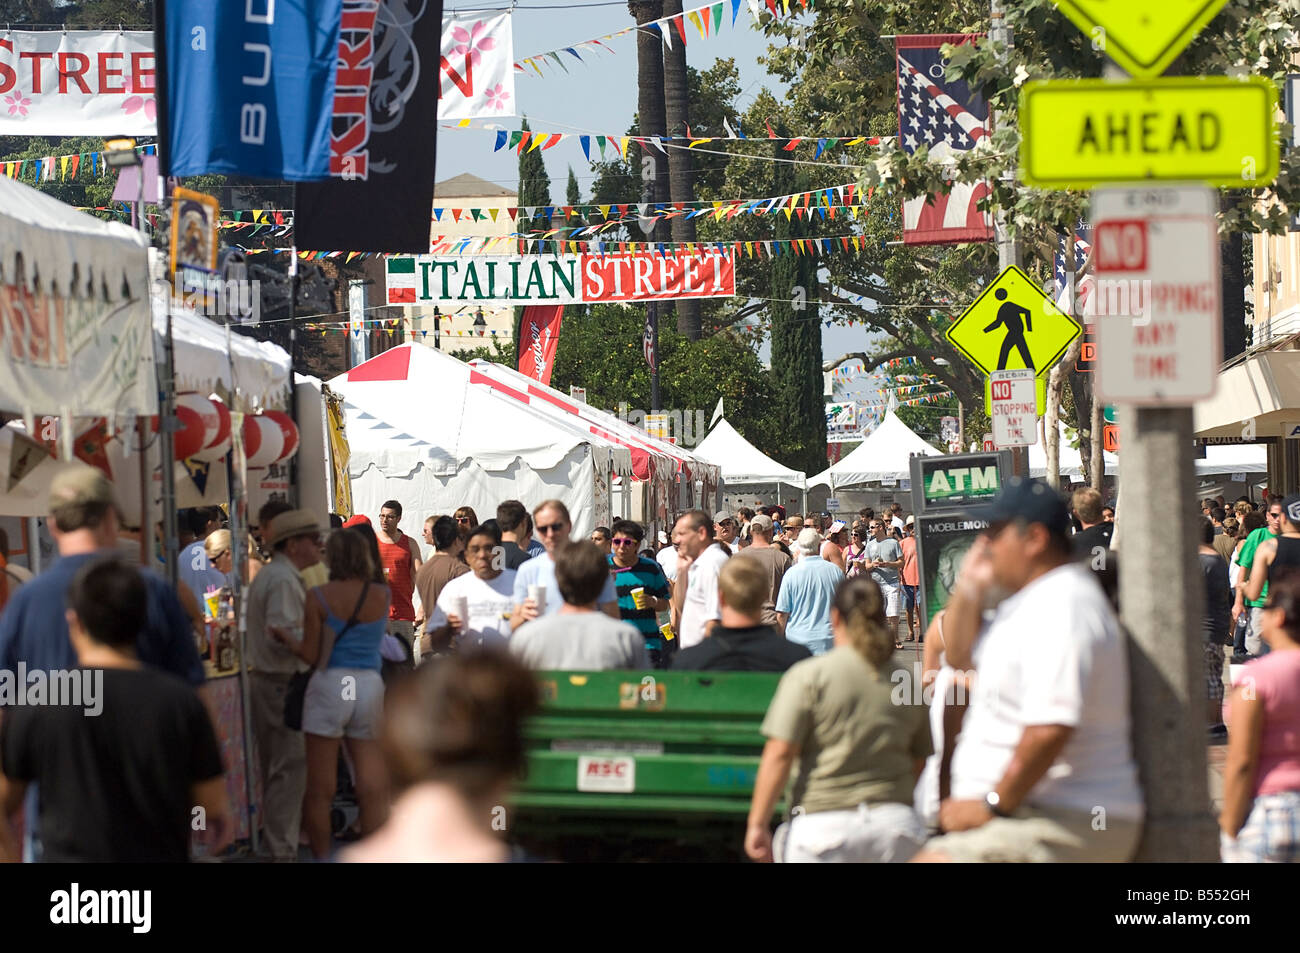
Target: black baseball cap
(1291, 507)
(1032, 501)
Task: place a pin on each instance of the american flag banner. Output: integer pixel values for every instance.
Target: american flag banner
(948, 118)
(1083, 286)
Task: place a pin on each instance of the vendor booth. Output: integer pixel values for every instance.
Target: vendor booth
(744, 465)
(421, 433)
(666, 479)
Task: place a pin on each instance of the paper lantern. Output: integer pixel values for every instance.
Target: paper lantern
(289, 431)
(219, 445)
(188, 439)
(263, 441)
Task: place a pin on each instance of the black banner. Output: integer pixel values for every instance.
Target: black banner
(383, 140)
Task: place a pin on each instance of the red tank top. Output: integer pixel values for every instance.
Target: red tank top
(397, 561)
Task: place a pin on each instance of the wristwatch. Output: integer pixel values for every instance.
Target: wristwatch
(994, 804)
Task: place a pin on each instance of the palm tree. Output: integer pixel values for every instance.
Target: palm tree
(681, 174)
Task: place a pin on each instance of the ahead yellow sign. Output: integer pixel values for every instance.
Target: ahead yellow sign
(1082, 133)
(1013, 324)
(1143, 36)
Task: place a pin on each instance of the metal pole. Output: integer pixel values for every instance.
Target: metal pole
(1008, 247)
(652, 320)
(293, 359)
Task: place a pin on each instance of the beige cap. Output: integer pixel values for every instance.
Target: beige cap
(81, 486)
(293, 523)
(762, 522)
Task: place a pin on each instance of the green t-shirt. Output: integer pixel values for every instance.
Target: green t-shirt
(856, 745)
(1246, 558)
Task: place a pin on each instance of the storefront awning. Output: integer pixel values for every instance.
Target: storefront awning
(1263, 393)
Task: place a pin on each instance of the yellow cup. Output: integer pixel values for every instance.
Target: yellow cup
(639, 598)
(213, 602)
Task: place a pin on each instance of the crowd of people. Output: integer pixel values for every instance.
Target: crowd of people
(410, 666)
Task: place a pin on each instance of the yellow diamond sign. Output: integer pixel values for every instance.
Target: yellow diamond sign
(1013, 324)
(1143, 36)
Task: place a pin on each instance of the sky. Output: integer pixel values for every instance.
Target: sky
(599, 96)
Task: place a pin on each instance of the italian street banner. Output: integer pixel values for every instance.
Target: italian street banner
(382, 145)
(78, 83)
(539, 336)
(561, 279)
(250, 87)
(476, 72)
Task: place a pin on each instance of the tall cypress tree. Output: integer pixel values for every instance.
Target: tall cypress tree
(796, 340)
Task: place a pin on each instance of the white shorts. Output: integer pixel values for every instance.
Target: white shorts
(869, 834)
(343, 701)
(890, 594)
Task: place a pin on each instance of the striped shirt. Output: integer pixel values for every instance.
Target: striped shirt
(646, 574)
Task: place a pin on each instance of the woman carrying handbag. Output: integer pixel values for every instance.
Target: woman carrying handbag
(345, 696)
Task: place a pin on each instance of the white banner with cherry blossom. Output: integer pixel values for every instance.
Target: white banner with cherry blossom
(79, 83)
(476, 74)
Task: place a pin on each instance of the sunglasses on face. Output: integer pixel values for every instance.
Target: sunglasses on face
(552, 528)
(462, 519)
(623, 542)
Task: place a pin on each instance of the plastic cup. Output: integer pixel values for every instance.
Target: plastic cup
(639, 598)
(213, 602)
(461, 608)
(537, 593)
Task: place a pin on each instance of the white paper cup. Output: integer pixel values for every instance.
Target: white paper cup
(537, 593)
(460, 605)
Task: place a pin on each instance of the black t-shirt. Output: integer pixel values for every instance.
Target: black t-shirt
(1217, 621)
(515, 557)
(758, 648)
(114, 787)
(1091, 538)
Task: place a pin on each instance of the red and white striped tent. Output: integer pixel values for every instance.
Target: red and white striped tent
(422, 434)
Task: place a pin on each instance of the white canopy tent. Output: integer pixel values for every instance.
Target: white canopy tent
(420, 433)
(1233, 458)
(741, 462)
(885, 454)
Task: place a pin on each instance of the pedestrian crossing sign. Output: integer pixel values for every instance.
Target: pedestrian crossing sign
(1013, 324)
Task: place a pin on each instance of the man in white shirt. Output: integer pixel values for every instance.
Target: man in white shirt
(485, 595)
(695, 590)
(554, 525)
(1044, 769)
(578, 636)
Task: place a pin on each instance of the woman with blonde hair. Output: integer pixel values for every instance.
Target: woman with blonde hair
(858, 747)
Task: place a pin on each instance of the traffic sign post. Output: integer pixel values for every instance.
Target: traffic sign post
(1156, 257)
(1143, 36)
(1076, 134)
(1015, 423)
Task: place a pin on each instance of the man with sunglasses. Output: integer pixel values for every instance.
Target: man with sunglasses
(631, 571)
(1254, 642)
(1046, 738)
(554, 526)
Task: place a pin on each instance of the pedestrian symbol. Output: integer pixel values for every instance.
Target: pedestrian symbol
(1009, 317)
(1013, 325)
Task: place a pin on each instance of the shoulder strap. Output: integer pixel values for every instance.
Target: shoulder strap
(325, 653)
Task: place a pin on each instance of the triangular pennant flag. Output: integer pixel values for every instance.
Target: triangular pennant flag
(25, 455)
(502, 136)
(679, 21)
(586, 146)
(717, 17)
(735, 11)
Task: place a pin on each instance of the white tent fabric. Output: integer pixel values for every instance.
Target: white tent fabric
(30, 496)
(1233, 458)
(884, 455)
(45, 243)
(741, 461)
(419, 433)
(258, 370)
(75, 290)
